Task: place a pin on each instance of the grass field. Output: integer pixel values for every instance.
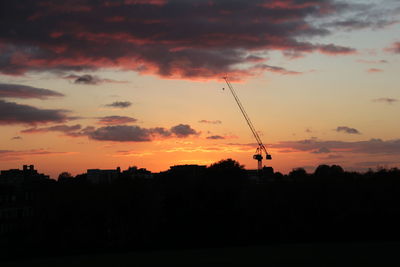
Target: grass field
(383, 254)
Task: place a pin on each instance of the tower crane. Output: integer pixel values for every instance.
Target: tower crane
(261, 148)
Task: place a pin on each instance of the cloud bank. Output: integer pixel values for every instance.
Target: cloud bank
(174, 38)
(23, 91)
(373, 146)
(13, 113)
(119, 133)
(88, 79)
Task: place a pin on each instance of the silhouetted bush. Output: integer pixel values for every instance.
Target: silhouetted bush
(198, 206)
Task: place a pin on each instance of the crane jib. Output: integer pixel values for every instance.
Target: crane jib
(261, 148)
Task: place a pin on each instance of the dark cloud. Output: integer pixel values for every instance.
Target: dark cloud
(348, 130)
(178, 39)
(85, 79)
(13, 113)
(24, 91)
(118, 133)
(56, 128)
(387, 100)
(365, 16)
(120, 104)
(215, 137)
(125, 133)
(335, 49)
(183, 130)
(121, 133)
(373, 146)
(16, 138)
(90, 79)
(359, 24)
(160, 131)
(115, 120)
(211, 122)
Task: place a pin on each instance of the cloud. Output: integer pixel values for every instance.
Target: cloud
(210, 122)
(24, 91)
(115, 120)
(13, 113)
(322, 150)
(121, 133)
(387, 100)
(365, 16)
(394, 48)
(133, 133)
(274, 69)
(359, 24)
(90, 79)
(332, 49)
(374, 70)
(373, 146)
(131, 153)
(16, 138)
(183, 130)
(215, 137)
(348, 130)
(382, 61)
(21, 154)
(120, 104)
(56, 128)
(175, 39)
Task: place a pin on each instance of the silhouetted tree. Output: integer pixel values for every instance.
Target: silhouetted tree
(64, 176)
(192, 206)
(322, 171)
(298, 173)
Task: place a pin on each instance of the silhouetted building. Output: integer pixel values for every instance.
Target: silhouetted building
(17, 177)
(98, 176)
(188, 168)
(135, 173)
(16, 212)
(263, 175)
(253, 175)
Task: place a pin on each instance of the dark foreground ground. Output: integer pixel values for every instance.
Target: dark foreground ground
(369, 254)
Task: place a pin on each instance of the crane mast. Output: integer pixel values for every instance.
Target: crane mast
(261, 148)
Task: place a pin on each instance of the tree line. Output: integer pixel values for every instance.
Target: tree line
(207, 207)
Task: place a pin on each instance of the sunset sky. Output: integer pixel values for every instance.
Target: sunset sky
(106, 83)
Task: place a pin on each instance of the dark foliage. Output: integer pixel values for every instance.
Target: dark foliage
(195, 206)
